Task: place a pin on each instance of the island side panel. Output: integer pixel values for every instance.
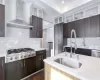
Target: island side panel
(52, 73)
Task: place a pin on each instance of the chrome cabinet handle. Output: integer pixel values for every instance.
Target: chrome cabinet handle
(42, 57)
(21, 64)
(24, 63)
(2, 63)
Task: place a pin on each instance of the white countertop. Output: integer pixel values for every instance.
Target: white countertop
(90, 69)
(38, 49)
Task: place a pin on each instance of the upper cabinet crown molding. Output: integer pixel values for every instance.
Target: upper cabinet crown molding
(59, 19)
(92, 11)
(2, 2)
(89, 9)
(36, 11)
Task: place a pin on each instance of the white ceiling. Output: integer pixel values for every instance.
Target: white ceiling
(69, 4)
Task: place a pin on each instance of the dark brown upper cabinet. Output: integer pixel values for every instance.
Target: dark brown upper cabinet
(37, 23)
(2, 20)
(67, 29)
(87, 27)
(2, 68)
(79, 28)
(95, 26)
(92, 26)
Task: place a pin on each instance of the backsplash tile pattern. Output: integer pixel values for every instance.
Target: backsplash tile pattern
(88, 41)
(14, 43)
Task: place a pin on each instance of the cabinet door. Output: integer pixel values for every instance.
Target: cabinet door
(36, 31)
(70, 27)
(33, 31)
(92, 26)
(79, 27)
(43, 57)
(38, 62)
(11, 71)
(65, 30)
(2, 20)
(40, 56)
(30, 65)
(20, 69)
(40, 28)
(2, 68)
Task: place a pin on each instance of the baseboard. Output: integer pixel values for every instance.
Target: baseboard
(31, 74)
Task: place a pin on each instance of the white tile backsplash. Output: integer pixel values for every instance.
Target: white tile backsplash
(88, 41)
(17, 32)
(13, 43)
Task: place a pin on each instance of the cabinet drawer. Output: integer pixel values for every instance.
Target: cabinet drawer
(40, 52)
(84, 51)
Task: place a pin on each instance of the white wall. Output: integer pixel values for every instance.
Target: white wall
(17, 32)
(48, 31)
(48, 36)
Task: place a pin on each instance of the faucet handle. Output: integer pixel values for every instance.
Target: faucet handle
(78, 57)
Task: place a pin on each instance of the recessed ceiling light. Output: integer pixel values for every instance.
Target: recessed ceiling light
(63, 2)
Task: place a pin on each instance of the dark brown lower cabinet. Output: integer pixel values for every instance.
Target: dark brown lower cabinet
(17, 70)
(30, 65)
(11, 71)
(81, 51)
(38, 62)
(2, 68)
(21, 69)
(40, 56)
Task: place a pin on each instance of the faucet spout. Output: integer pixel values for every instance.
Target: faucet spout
(75, 45)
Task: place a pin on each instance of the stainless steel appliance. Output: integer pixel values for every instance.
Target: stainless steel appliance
(18, 54)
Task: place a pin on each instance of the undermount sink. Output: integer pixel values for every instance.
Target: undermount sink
(69, 62)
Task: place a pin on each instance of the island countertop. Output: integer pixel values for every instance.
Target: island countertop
(90, 69)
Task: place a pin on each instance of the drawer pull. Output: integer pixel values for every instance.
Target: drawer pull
(24, 63)
(2, 63)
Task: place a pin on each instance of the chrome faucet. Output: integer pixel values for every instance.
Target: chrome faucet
(75, 45)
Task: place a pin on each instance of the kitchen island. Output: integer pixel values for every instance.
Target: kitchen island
(89, 70)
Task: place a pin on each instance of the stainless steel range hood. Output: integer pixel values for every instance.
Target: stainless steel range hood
(19, 24)
(19, 21)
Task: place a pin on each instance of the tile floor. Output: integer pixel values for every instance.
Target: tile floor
(38, 76)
